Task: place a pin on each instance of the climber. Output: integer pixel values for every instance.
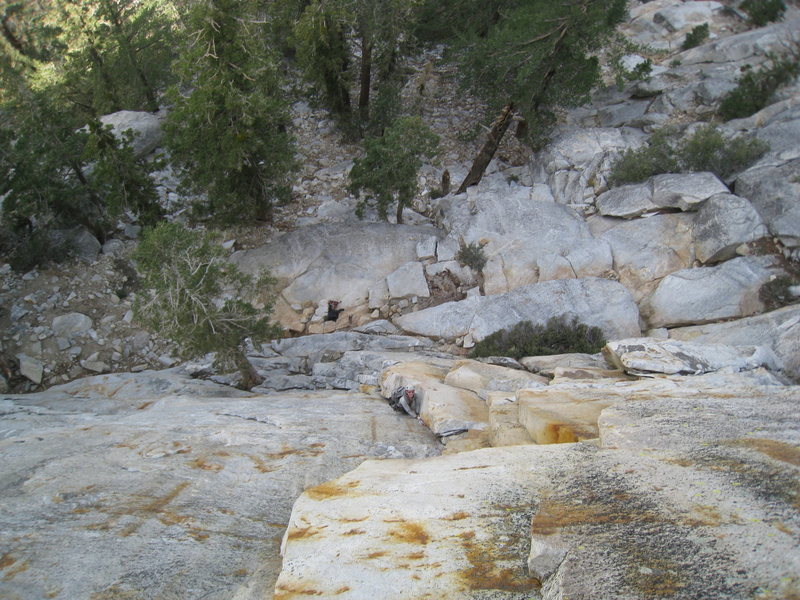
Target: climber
(405, 399)
(333, 312)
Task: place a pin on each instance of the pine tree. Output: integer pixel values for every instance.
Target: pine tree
(228, 127)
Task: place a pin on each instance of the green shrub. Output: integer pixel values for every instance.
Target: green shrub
(705, 150)
(695, 37)
(39, 248)
(775, 294)
(560, 335)
(708, 150)
(472, 256)
(189, 281)
(755, 88)
(640, 164)
(762, 12)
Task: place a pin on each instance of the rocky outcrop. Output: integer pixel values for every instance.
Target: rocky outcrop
(599, 302)
(707, 294)
(456, 522)
(139, 472)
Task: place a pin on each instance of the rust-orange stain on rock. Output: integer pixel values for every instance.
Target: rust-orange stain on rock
(409, 533)
(490, 569)
(781, 451)
(458, 516)
(11, 567)
(301, 533)
(283, 591)
(355, 532)
(259, 464)
(314, 450)
(145, 405)
(331, 489)
(553, 516)
(202, 464)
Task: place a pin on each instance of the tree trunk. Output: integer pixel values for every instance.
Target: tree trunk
(399, 214)
(365, 77)
(499, 128)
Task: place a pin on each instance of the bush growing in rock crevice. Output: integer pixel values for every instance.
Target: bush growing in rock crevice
(705, 150)
(762, 12)
(695, 37)
(472, 256)
(755, 88)
(560, 335)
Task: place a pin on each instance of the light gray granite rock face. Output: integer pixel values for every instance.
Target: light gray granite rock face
(686, 191)
(706, 294)
(159, 495)
(626, 201)
(723, 223)
(648, 355)
(594, 301)
(646, 250)
(774, 191)
(752, 43)
(145, 126)
(576, 163)
(335, 261)
(687, 15)
(779, 329)
(407, 281)
(675, 477)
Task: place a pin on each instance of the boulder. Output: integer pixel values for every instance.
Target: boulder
(31, 368)
(638, 356)
(546, 365)
(687, 15)
(483, 378)
(773, 191)
(723, 223)
(72, 324)
(706, 294)
(627, 201)
(685, 191)
(77, 241)
(779, 329)
(146, 128)
(594, 301)
(646, 250)
(407, 281)
(314, 346)
(591, 258)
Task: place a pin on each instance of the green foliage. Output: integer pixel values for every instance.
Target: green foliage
(775, 293)
(196, 296)
(119, 178)
(472, 256)
(228, 128)
(708, 150)
(755, 89)
(617, 47)
(762, 12)
(539, 55)
(25, 250)
(695, 37)
(640, 164)
(388, 170)
(705, 150)
(560, 335)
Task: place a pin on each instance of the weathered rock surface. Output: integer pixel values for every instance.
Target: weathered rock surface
(674, 478)
(639, 356)
(145, 126)
(774, 190)
(168, 486)
(484, 378)
(723, 223)
(779, 329)
(599, 302)
(335, 261)
(705, 294)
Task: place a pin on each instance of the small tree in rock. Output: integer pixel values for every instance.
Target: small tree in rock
(388, 170)
(190, 283)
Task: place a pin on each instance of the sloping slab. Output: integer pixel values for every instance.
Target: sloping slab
(112, 489)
